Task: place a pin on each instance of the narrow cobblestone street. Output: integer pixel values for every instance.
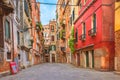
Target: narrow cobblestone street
(56, 71)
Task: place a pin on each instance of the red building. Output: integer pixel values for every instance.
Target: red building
(94, 33)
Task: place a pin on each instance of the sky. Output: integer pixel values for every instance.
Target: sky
(47, 11)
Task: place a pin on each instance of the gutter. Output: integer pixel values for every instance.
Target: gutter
(12, 38)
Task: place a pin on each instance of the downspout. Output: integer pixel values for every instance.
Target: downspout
(12, 38)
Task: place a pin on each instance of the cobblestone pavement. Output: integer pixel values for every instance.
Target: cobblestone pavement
(56, 71)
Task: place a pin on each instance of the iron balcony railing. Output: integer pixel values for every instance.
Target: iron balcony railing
(63, 49)
(92, 32)
(82, 37)
(63, 34)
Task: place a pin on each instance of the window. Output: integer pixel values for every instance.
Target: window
(52, 28)
(52, 38)
(94, 22)
(80, 5)
(83, 36)
(85, 1)
(63, 49)
(84, 29)
(9, 56)
(53, 47)
(73, 15)
(57, 36)
(26, 8)
(76, 34)
(17, 9)
(19, 57)
(7, 29)
(18, 38)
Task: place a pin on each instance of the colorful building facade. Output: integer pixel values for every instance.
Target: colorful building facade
(36, 34)
(47, 41)
(117, 35)
(94, 33)
(6, 35)
(25, 33)
(52, 52)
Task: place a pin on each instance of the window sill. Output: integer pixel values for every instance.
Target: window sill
(9, 60)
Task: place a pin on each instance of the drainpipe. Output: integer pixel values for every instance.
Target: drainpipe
(12, 38)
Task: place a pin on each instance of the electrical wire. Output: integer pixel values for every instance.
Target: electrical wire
(44, 3)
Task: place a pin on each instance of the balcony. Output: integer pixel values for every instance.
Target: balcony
(92, 32)
(83, 37)
(63, 49)
(62, 34)
(30, 42)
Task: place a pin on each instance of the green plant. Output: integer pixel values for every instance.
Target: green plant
(62, 33)
(39, 25)
(71, 41)
(29, 20)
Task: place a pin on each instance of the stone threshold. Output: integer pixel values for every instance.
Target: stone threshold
(117, 72)
(5, 73)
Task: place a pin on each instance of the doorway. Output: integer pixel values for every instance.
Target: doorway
(78, 59)
(87, 59)
(92, 58)
(53, 58)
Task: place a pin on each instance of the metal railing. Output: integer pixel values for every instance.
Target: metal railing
(82, 37)
(92, 32)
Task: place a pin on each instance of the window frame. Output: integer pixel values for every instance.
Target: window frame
(76, 35)
(7, 56)
(94, 25)
(84, 28)
(52, 38)
(7, 32)
(52, 28)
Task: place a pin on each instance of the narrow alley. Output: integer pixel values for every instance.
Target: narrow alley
(59, 39)
(57, 71)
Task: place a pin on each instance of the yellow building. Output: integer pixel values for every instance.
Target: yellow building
(117, 35)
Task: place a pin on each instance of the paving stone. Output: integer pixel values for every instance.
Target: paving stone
(58, 71)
